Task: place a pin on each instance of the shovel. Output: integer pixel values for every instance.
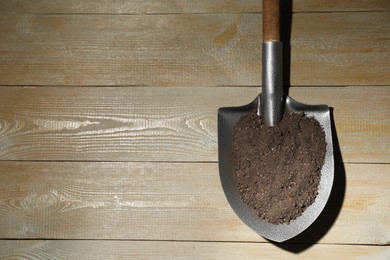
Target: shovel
(271, 104)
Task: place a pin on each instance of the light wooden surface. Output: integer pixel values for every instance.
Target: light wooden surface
(108, 132)
(167, 123)
(164, 201)
(189, 50)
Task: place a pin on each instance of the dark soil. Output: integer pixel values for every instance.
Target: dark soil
(278, 169)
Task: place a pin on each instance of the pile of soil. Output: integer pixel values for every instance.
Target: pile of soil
(278, 169)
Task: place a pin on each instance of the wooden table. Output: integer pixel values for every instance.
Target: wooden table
(108, 134)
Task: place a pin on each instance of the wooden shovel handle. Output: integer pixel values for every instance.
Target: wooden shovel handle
(271, 26)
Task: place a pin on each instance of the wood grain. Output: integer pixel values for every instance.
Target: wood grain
(181, 6)
(108, 131)
(167, 124)
(179, 250)
(165, 201)
(189, 50)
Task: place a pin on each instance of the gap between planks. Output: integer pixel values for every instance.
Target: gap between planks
(187, 6)
(181, 250)
(114, 240)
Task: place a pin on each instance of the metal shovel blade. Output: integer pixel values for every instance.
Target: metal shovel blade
(227, 119)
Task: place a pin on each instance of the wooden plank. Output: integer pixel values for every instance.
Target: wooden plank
(180, 250)
(168, 201)
(181, 6)
(167, 124)
(189, 50)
